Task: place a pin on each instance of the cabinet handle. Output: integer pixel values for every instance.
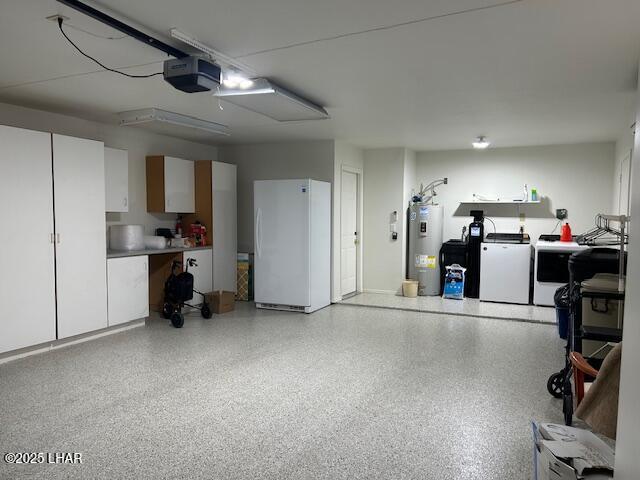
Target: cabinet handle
(57, 238)
(52, 238)
(124, 201)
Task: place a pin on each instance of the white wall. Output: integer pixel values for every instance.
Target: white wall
(272, 162)
(628, 435)
(138, 142)
(345, 156)
(383, 267)
(576, 177)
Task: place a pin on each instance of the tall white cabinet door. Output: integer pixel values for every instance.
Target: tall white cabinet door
(179, 185)
(128, 281)
(202, 274)
(81, 251)
(116, 180)
(26, 208)
(225, 226)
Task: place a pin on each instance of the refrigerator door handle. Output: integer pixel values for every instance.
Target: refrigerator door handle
(258, 232)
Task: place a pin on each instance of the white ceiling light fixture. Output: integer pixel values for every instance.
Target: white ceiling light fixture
(171, 123)
(273, 101)
(481, 143)
(232, 78)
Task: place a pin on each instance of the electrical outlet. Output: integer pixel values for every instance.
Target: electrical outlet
(561, 213)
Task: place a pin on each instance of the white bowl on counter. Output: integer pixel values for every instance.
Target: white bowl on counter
(154, 242)
(178, 242)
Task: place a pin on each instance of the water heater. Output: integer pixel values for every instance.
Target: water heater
(425, 241)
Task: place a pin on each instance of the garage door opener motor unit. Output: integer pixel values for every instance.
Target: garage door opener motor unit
(192, 74)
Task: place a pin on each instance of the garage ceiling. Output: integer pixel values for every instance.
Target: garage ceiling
(523, 73)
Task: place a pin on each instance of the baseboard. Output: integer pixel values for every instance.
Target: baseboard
(67, 342)
(372, 290)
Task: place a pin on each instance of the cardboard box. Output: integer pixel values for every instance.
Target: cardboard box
(221, 301)
(567, 453)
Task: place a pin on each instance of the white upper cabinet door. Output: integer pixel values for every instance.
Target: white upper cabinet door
(81, 251)
(202, 273)
(128, 289)
(179, 185)
(225, 226)
(26, 208)
(116, 179)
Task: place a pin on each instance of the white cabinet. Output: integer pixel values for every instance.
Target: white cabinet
(203, 273)
(52, 194)
(225, 226)
(128, 289)
(170, 185)
(81, 277)
(116, 179)
(179, 185)
(28, 288)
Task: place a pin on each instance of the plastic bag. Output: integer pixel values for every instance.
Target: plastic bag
(561, 297)
(454, 282)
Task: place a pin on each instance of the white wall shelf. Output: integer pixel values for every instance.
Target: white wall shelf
(500, 202)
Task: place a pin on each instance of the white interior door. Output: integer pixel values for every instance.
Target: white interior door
(225, 226)
(282, 226)
(349, 233)
(26, 208)
(81, 251)
(625, 185)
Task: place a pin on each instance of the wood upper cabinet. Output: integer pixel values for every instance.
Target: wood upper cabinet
(116, 179)
(170, 185)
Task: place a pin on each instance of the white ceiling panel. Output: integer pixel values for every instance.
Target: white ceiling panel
(530, 72)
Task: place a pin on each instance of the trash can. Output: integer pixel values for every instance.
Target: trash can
(410, 288)
(561, 301)
(452, 252)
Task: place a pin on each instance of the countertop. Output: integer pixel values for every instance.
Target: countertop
(152, 251)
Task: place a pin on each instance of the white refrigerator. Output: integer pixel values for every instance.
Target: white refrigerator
(292, 232)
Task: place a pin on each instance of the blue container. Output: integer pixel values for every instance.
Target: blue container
(562, 319)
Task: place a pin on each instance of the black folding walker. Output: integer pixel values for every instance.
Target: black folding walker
(178, 290)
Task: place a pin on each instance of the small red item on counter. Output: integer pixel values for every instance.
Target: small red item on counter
(565, 233)
(198, 234)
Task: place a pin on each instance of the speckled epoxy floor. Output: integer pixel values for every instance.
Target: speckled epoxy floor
(467, 307)
(345, 392)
